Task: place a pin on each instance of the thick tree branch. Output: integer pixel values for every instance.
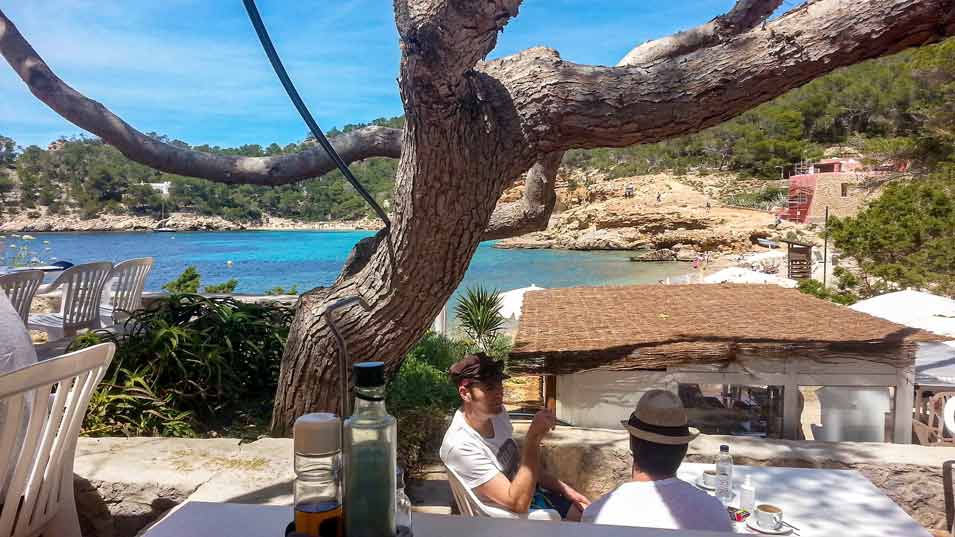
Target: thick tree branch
(532, 212)
(97, 119)
(745, 15)
(447, 37)
(565, 105)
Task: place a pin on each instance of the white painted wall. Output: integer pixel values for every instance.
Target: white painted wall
(603, 398)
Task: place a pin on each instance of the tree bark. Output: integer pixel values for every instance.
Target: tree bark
(473, 126)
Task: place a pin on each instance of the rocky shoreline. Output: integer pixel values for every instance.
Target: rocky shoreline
(39, 221)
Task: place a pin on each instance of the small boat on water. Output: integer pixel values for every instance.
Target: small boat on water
(767, 243)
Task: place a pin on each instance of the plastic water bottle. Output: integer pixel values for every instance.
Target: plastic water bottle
(747, 495)
(724, 475)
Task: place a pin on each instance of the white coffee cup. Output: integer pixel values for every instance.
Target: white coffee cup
(708, 478)
(769, 516)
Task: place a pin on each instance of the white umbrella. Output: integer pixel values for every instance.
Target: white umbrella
(913, 308)
(512, 301)
(742, 275)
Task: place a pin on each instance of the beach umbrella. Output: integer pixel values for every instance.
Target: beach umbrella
(511, 301)
(913, 308)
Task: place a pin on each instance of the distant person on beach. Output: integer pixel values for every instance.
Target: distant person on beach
(659, 197)
(479, 446)
(654, 497)
(628, 191)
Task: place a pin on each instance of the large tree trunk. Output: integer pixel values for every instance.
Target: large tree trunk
(452, 171)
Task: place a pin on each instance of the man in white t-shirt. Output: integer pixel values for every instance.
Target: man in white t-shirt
(654, 497)
(479, 446)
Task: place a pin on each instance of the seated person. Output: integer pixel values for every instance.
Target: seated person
(480, 449)
(16, 352)
(654, 497)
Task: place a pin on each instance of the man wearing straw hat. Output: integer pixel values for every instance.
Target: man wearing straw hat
(654, 497)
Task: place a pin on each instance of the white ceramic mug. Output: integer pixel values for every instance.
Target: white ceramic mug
(769, 516)
(708, 478)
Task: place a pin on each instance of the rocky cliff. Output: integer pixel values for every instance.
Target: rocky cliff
(648, 212)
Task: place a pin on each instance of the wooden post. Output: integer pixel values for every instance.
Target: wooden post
(791, 414)
(904, 397)
(550, 392)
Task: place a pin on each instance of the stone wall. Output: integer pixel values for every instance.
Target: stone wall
(123, 484)
(828, 192)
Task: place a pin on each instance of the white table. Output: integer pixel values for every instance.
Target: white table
(200, 519)
(818, 502)
(821, 502)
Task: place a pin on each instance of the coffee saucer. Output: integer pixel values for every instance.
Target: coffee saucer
(702, 485)
(751, 524)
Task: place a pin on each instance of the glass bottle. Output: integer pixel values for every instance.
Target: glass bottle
(370, 442)
(402, 507)
(724, 475)
(317, 464)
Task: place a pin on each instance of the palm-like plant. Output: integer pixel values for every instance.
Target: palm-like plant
(479, 312)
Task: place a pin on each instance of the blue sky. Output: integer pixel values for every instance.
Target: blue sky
(194, 70)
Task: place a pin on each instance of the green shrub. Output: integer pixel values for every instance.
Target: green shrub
(815, 288)
(479, 312)
(422, 398)
(187, 364)
(275, 291)
(224, 288)
(187, 282)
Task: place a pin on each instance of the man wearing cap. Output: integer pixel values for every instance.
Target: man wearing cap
(479, 446)
(654, 497)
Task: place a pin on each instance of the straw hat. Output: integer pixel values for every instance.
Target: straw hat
(660, 418)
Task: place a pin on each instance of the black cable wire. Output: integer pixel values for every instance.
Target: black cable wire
(303, 110)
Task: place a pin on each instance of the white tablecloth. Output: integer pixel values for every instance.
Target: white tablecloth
(819, 502)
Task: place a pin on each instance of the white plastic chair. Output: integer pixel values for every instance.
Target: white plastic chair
(79, 306)
(125, 289)
(20, 287)
(39, 493)
(470, 505)
(941, 416)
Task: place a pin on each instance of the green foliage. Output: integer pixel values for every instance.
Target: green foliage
(815, 288)
(223, 288)
(187, 282)
(905, 237)
(279, 290)
(187, 364)
(765, 199)
(479, 312)
(421, 397)
(91, 177)
(8, 151)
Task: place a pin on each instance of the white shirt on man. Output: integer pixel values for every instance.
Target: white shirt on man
(477, 459)
(667, 503)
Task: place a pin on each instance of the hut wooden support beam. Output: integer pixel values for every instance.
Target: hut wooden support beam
(550, 392)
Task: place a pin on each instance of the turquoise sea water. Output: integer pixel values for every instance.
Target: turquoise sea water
(262, 260)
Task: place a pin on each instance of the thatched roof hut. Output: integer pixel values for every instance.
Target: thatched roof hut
(756, 334)
(654, 326)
